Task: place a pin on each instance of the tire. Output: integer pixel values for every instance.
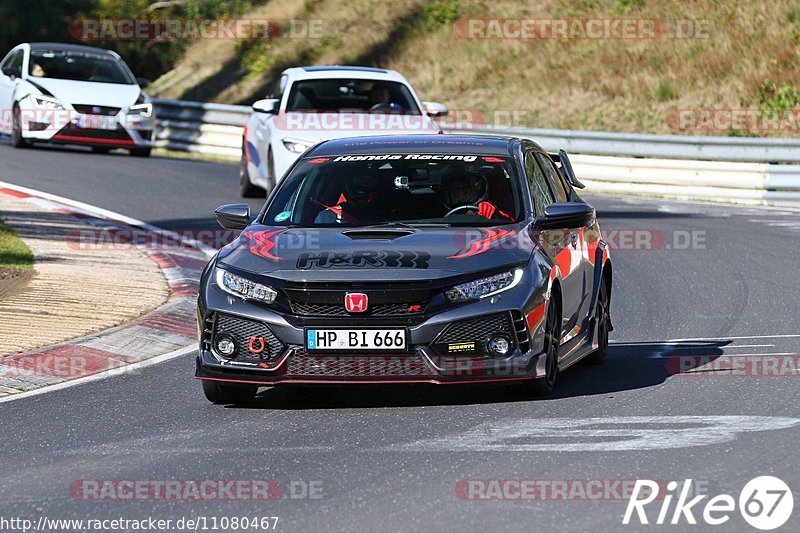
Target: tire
(603, 313)
(140, 152)
(17, 140)
(246, 187)
(223, 393)
(100, 150)
(544, 385)
(272, 179)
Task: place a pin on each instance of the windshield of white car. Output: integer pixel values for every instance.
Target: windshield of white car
(398, 190)
(351, 96)
(78, 66)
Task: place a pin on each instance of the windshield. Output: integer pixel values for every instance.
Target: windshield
(397, 189)
(78, 66)
(351, 96)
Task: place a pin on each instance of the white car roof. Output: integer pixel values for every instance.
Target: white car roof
(336, 71)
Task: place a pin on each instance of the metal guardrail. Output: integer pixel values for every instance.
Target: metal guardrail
(729, 169)
(212, 129)
(695, 147)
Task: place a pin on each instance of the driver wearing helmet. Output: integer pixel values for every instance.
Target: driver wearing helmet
(359, 205)
(465, 193)
(380, 99)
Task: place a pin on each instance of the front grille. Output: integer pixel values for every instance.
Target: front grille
(477, 329)
(243, 330)
(87, 109)
(350, 366)
(310, 309)
(118, 134)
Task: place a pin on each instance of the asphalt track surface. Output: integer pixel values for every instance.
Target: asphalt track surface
(398, 458)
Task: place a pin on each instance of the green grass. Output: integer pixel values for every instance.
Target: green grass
(14, 254)
(666, 92)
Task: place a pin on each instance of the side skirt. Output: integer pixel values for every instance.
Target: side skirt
(578, 348)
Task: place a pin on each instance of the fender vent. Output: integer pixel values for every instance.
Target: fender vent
(521, 330)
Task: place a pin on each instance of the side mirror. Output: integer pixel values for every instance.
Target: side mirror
(267, 105)
(566, 215)
(435, 109)
(9, 71)
(233, 216)
(143, 82)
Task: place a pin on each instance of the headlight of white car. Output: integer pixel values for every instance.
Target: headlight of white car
(244, 288)
(298, 146)
(46, 102)
(142, 110)
(484, 287)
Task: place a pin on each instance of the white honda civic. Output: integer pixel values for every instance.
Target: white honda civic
(73, 94)
(308, 105)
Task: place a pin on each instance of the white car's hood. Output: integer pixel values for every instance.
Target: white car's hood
(317, 127)
(89, 92)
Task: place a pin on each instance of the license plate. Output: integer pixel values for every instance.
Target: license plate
(385, 340)
(97, 122)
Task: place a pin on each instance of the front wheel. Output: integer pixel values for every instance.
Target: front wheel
(223, 393)
(603, 326)
(140, 152)
(17, 140)
(552, 339)
(545, 384)
(246, 187)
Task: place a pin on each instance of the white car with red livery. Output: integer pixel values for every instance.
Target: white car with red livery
(74, 94)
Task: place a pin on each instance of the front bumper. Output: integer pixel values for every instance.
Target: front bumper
(449, 347)
(420, 368)
(109, 127)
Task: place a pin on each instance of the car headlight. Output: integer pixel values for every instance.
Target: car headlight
(244, 288)
(484, 287)
(298, 146)
(142, 110)
(46, 102)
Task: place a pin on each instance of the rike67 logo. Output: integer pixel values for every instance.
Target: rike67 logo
(765, 503)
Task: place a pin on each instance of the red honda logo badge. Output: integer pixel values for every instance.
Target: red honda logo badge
(356, 302)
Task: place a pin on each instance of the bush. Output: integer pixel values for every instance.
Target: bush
(439, 13)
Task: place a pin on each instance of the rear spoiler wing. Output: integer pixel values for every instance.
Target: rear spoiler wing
(561, 159)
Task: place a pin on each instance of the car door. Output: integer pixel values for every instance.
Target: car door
(583, 270)
(556, 243)
(12, 64)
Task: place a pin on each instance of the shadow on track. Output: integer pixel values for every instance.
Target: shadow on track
(627, 367)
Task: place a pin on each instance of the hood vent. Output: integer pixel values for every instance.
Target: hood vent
(376, 234)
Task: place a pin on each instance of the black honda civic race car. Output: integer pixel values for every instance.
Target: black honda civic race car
(436, 259)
